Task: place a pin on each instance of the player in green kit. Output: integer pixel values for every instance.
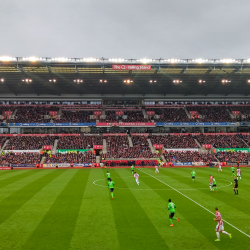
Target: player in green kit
(108, 176)
(193, 173)
(232, 168)
(111, 187)
(214, 185)
(171, 207)
(132, 169)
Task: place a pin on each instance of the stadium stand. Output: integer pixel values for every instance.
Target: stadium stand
(20, 158)
(230, 157)
(87, 157)
(188, 156)
(141, 148)
(29, 142)
(174, 141)
(118, 147)
(212, 113)
(29, 114)
(79, 142)
(222, 141)
(75, 116)
(170, 114)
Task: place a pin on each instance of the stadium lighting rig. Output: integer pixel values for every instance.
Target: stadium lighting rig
(1, 79)
(177, 81)
(201, 81)
(248, 80)
(78, 81)
(102, 80)
(128, 81)
(151, 81)
(52, 80)
(27, 80)
(225, 81)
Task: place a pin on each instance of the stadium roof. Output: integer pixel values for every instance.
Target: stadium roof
(88, 78)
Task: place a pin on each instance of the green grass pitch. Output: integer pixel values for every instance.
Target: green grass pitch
(72, 209)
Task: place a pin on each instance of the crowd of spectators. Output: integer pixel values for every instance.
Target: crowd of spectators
(79, 142)
(110, 117)
(75, 116)
(118, 147)
(174, 141)
(245, 138)
(6, 108)
(79, 157)
(233, 157)
(2, 140)
(209, 113)
(171, 114)
(244, 114)
(141, 148)
(188, 156)
(29, 142)
(212, 113)
(121, 102)
(134, 116)
(222, 141)
(130, 163)
(29, 114)
(20, 158)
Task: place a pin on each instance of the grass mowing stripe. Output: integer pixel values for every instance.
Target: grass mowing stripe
(229, 199)
(177, 237)
(17, 229)
(199, 218)
(19, 184)
(56, 229)
(10, 172)
(134, 229)
(13, 202)
(15, 178)
(195, 202)
(95, 226)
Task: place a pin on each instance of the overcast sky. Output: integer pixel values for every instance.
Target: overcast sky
(125, 29)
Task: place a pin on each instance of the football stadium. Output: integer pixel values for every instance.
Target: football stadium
(100, 153)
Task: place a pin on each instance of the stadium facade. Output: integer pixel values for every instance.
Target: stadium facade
(62, 79)
(123, 111)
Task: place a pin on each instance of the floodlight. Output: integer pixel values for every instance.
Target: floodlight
(177, 81)
(128, 81)
(201, 81)
(102, 80)
(28, 80)
(225, 81)
(78, 80)
(2, 80)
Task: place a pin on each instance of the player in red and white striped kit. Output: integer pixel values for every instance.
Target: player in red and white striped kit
(220, 169)
(137, 178)
(211, 183)
(220, 227)
(156, 169)
(238, 173)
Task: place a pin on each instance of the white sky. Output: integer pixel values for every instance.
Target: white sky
(125, 29)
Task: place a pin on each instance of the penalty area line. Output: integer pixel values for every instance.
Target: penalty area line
(193, 201)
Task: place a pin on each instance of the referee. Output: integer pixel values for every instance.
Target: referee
(235, 188)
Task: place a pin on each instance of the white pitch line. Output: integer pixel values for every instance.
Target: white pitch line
(194, 202)
(184, 189)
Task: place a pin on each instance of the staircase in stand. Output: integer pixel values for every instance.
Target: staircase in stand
(104, 146)
(151, 146)
(54, 148)
(130, 141)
